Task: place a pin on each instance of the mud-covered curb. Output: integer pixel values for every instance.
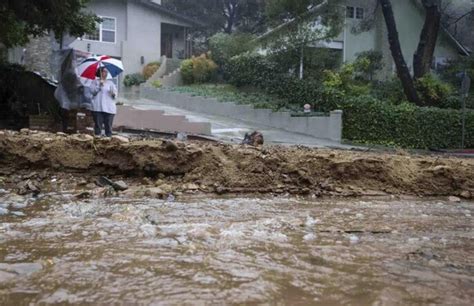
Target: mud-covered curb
(221, 169)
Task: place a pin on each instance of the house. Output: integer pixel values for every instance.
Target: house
(364, 29)
(409, 17)
(458, 18)
(136, 31)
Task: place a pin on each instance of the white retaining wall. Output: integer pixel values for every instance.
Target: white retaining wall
(328, 127)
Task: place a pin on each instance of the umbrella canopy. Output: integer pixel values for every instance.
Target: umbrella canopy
(89, 67)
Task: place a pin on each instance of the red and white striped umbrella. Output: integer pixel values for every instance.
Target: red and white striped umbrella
(88, 67)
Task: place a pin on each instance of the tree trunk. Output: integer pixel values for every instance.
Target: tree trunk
(302, 63)
(423, 57)
(231, 15)
(402, 69)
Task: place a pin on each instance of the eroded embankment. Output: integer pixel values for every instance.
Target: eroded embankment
(241, 169)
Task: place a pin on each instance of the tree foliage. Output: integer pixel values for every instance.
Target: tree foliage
(222, 15)
(224, 46)
(21, 18)
(302, 24)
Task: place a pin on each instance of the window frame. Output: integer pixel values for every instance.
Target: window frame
(352, 9)
(357, 10)
(101, 30)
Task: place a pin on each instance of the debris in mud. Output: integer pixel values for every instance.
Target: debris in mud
(220, 168)
(254, 139)
(454, 199)
(28, 187)
(117, 186)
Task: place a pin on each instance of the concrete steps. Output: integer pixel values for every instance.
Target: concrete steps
(168, 74)
(156, 120)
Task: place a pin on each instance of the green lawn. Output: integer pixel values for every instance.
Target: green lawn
(229, 93)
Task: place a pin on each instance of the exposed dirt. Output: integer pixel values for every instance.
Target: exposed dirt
(219, 168)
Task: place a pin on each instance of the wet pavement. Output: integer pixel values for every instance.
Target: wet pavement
(195, 251)
(233, 130)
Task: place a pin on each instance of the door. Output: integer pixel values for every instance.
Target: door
(167, 45)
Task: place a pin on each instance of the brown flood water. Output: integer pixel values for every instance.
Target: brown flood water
(236, 251)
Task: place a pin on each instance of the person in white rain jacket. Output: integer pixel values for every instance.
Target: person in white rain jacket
(104, 109)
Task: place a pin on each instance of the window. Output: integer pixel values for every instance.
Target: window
(350, 12)
(105, 31)
(354, 12)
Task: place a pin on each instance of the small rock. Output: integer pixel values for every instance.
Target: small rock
(82, 137)
(105, 181)
(454, 199)
(155, 192)
(354, 239)
(27, 187)
(167, 188)
(170, 146)
(83, 195)
(61, 134)
(3, 211)
(18, 213)
(310, 221)
(82, 182)
(466, 194)
(121, 139)
(171, 198)
(24, 131)
(19, 205)
(90, 186)
(31, 175)
(3, 191)
(220, 190)
(441, 168)
(191, 186)
(120, 186)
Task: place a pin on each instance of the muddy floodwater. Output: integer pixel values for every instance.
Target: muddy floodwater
(55, 250)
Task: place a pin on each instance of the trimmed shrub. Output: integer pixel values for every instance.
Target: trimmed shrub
(367, 120)
(432, 91)
(133, 79)
(187, 71)
(157, 84)
(198, 70)
(150, 69)
(224, 46)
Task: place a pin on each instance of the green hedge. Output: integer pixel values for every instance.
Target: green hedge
(250, 69)
(367, 120)
(133, 79)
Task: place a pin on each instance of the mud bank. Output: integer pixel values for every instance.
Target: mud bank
(219, 168)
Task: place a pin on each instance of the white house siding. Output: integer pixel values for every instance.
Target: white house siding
(107, 8)
(138, 33)
(355, 41)
(144, 36)
(409, 20)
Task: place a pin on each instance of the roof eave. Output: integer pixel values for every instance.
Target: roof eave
(162, 9)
